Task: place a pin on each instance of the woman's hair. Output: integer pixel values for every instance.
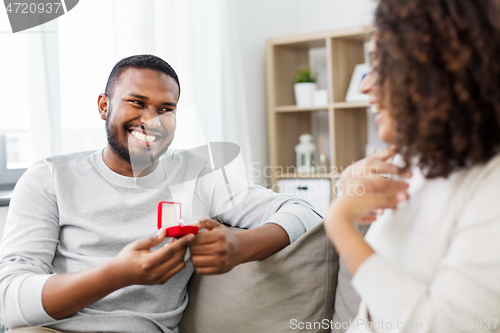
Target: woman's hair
(438, 67)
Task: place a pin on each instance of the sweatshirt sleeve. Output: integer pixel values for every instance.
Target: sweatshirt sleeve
(464, 292)
(28, 248)
(232, 201)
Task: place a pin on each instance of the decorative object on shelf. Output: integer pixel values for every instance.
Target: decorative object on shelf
(305, 152)
(353, 94)
(322, 151)
(320, 97)
(305, 84)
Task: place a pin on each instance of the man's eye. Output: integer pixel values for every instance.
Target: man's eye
(167, 110)
(137, 102)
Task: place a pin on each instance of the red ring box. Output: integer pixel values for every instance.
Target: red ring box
(181, 230)
(178, 230)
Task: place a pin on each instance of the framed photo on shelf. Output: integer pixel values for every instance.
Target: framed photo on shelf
(353, 94)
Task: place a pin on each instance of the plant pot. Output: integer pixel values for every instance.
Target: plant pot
(304, 93)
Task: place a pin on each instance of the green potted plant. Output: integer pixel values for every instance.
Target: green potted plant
(305, 84)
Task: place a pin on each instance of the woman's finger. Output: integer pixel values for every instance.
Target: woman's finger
(384, 185)
(378, 167)
(391, 200)
(367, 219)
(384, 155)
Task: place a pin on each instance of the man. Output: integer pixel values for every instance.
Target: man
(76, 255)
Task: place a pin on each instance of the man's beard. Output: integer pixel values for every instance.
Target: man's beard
(140, 160)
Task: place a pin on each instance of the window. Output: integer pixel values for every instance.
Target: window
(14, 115)
(13, 158)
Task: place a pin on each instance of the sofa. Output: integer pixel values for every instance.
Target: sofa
(304, 287)
(305, 282)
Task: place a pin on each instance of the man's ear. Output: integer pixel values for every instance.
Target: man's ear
(102, 105)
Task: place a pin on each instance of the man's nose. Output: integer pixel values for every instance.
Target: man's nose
(150, 118)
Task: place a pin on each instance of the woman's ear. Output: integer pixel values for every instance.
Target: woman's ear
(102, 105)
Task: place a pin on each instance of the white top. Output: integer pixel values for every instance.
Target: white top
(437, 261)
(71, 212)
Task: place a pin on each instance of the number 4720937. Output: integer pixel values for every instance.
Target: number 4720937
(32, 8)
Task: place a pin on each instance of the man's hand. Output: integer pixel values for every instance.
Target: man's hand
(137, 264)
(66, 294)
(216, 250)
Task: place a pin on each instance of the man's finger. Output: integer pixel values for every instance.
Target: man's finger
(206, 237)
(168, 274)
(168, 251)
(206, 261)
(205, 249)
(172, 262)
(149, 242)
(210, 270)
(209, 224)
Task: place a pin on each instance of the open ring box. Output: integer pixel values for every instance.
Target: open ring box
(170, 217)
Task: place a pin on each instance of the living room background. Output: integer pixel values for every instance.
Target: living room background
(216, 46)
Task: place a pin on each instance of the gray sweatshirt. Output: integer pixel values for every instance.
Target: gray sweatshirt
(71, 212)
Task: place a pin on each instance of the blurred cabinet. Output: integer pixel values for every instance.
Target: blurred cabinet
(315, 191)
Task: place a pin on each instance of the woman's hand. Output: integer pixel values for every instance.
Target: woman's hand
(374, 166)
(371, 167)
(362, 196)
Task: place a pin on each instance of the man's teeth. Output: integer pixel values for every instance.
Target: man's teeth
(144, 137)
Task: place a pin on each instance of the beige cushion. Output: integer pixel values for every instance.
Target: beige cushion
(298, 282)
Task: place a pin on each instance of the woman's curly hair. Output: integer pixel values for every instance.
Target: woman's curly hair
(438, 67)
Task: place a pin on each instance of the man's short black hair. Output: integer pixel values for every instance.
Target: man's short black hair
(141, 61)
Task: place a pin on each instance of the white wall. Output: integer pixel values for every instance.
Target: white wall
(258, 20)
(318, 15)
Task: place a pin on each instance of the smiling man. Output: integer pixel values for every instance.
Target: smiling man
(78, 254)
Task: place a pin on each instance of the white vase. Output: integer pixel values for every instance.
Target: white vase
(304, 93)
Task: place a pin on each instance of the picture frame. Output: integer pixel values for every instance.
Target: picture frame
(359, 73)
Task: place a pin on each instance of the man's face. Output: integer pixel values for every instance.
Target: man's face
(141, 116)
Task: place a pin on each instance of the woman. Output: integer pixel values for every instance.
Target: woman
(431, 262)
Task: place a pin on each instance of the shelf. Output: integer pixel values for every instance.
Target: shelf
(307, 176)
(295, 108)
(357, 33)
(340, 105)
(351, 105)
(342, 125)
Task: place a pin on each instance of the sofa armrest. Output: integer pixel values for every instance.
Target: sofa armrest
(297, 283)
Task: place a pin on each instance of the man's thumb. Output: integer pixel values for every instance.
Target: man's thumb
(152, 241)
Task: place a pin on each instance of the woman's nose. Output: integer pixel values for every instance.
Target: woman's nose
(366, 84)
